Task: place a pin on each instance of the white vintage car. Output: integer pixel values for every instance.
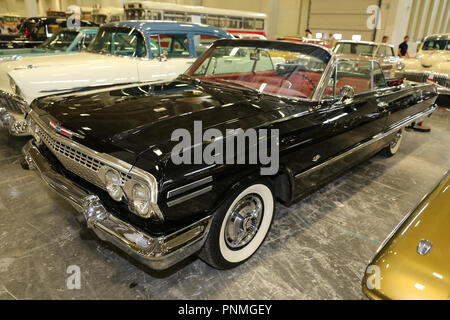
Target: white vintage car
(121, 53)
(432, 63)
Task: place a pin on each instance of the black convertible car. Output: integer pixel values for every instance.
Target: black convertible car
(121, 158)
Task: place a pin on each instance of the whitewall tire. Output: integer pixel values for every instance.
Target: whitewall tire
(239, 227)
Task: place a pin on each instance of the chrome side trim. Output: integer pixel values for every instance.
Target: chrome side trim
(367, 143)
(157, 252)
(187, 187)
(189, 196)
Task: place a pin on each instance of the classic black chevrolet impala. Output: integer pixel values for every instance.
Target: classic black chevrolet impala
(111, 153)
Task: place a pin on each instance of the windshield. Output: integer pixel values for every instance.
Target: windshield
(121, 42)
(436, 45)
(60, 41)
(291, 73)
(356, 48)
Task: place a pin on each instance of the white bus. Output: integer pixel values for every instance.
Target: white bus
(102, 15)
(239, 23)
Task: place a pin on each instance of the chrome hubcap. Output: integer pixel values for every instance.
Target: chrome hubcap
(244, 221)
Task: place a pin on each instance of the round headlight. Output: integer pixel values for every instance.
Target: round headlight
(112, 182)
(141, 200)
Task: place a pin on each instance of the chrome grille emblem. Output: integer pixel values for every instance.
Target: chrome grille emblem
(424, 247)
(64, 132)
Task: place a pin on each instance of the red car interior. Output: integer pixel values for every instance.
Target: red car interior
(299, 84)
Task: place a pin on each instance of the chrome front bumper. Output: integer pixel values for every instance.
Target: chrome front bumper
(12, 114)
(156, 252)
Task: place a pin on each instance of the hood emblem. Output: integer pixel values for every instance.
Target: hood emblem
(64, 132)
(424, 247)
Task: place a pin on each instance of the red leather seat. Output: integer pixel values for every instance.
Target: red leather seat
(358, 84)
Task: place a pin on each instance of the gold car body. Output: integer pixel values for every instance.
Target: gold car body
(399, 271)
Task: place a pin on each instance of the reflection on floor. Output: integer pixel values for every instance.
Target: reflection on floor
(317, 249)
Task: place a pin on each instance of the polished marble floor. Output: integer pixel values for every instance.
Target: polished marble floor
(317, 248)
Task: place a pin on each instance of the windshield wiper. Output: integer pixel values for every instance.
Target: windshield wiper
(241, 85)
(200, 82)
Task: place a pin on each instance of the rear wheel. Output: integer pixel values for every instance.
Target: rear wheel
(239, 227)
(394, 145)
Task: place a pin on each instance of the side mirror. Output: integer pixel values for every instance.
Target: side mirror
(347, 93)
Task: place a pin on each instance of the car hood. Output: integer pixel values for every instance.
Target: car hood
(405, 274)
(136, 121)
(45, 75)
(430, 58)
(426, 60)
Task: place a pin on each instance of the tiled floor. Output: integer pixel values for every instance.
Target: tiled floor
(317, 249)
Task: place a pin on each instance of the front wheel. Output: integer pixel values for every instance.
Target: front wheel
(394, 145)
(239, 227)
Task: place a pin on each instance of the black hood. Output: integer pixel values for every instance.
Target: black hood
(141, 119)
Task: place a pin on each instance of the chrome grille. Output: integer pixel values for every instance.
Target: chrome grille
(74, 160)
(442, 80)
(416, 76)
(11, 104)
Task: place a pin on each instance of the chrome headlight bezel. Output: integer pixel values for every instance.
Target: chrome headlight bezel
(114, 189)
(128, 192)
(143, 210)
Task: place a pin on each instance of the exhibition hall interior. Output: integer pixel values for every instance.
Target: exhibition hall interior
(224, 150)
